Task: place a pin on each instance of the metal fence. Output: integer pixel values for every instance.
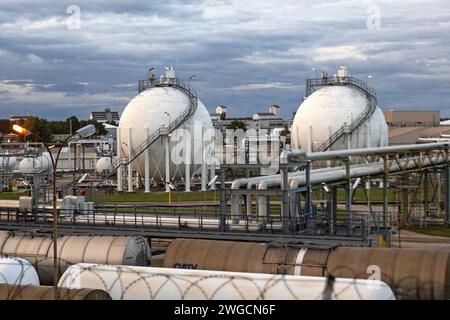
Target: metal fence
(195, 218)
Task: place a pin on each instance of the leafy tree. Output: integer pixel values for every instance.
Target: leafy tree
(39, 127)
(100, 128)
(5, 126)
(287, 134)
(237, 124)
(75, 123)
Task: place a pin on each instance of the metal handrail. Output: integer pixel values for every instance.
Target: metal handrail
(186, 115)
(311, 84)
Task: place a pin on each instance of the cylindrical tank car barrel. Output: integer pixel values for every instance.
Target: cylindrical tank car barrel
(148, 283)
(38, 250)
(17, 271)
(30, 292)
(411, 273)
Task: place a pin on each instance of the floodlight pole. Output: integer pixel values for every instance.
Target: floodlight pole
(54, 212)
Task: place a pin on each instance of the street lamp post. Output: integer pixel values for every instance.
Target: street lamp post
(84, 133)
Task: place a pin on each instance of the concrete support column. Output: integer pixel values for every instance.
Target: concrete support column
(330, 133)
(138, 180)
(447, 190)
(285, 200)
(348, 194)
(70, 157)
(213, 174)
(425, 191)
(439, 193)
(223, 201)
(262, 207)
(235, 207)
(385, 191)
(248, 205)
(310, 138)
(167, 161)
(331, 209)
(204, 174)
(405, 202)
(130, 165)
(147, 167)
(293, 205)
(119, 156)
(187, 163)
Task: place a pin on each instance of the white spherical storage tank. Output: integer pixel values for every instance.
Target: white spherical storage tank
(8, 163)
(149, 111)
(30, 165)
(17, 271)
(328, 110)
(104, 164)
(147, 283)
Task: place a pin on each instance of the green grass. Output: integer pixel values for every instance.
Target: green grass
(440, 231)
(12, 195)
(159, 263)
(155, 197)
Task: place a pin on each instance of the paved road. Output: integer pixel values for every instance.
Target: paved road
(410, 239)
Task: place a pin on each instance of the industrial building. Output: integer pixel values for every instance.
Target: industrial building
(259, 120)
(415, 126)
(107, 116)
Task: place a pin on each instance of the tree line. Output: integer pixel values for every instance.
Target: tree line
(46, 128)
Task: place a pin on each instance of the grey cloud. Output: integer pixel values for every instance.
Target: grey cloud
(227, 44)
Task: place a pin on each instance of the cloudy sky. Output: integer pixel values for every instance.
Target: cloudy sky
(63, 58)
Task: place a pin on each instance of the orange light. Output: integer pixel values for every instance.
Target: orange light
(19, 129)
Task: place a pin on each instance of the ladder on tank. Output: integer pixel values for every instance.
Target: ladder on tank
(356, 123)
(182, 118)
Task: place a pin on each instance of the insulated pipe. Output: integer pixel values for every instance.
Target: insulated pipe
(263, 184)
(235, 199)
(286, 155)
(328, 175)
(252, 182)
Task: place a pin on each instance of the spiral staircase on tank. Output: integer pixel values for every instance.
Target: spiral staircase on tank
(182, 118)
(313, 84)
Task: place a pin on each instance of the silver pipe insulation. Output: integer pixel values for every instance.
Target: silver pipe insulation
(317, 176)
(286, 155)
